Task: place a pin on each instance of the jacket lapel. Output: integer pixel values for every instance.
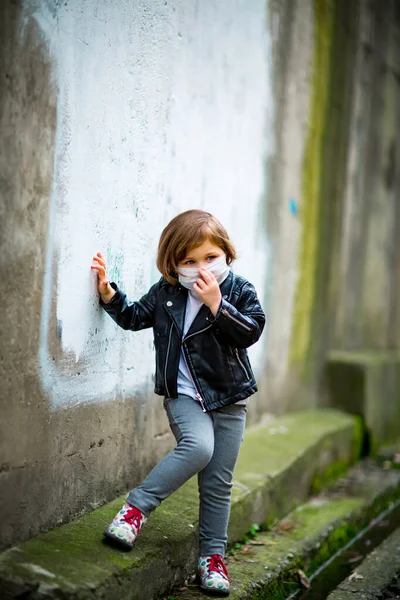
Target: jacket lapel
(200, 321)
(175, 306)
(226, 286)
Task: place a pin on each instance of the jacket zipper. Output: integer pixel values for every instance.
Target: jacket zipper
(241, 364)
(196, 332)
(192, 378)
(166, 361)
(228, 314)
(198, 396)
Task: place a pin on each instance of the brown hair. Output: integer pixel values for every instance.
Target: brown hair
(186, 231)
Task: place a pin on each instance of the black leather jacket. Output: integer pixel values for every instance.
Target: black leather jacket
(214, 347)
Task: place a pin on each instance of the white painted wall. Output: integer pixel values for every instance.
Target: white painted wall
(162, 106)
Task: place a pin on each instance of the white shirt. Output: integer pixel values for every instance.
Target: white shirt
(185, 381)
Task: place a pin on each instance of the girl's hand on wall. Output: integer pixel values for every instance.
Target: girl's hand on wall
(103, 285)
(208, 289)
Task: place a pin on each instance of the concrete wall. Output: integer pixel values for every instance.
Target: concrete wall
(333, 214)
(115, 117)
(282, 118)
(292, 25)
(369, 288)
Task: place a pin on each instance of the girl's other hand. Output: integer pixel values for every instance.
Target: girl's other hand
(103, 285)
(208, 289)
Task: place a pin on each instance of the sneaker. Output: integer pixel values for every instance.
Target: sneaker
(126, 526)
(214, 575)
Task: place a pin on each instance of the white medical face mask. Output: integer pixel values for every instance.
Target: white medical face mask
(189, 276)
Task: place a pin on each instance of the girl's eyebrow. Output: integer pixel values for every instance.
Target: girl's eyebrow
(207, 254)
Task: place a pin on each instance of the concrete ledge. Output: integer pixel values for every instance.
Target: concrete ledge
(308, 537)
(368, 384)
(279, 465)
(375, 573)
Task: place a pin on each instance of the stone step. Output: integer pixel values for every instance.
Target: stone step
(357, 382)
(374, 575)
(280, 463)
(282, 560)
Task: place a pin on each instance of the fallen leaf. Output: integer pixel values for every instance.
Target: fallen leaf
(285, 527)
(355, 576)
(355, 558)
(248, 560)
(256, 543)
(270, 543)
(383, 523)
(305, 582)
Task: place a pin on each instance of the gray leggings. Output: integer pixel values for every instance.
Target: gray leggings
(207, 444)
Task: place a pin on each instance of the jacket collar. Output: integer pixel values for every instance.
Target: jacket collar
(175, 306)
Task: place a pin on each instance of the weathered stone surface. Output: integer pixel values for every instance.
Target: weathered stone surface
(308, 537)
(368, 384)
(278, 466)
(375, 573)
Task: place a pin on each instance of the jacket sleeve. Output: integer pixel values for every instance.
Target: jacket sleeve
(132, 315)
(241, 325)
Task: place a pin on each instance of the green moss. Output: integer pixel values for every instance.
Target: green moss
(268, 449)
(273, 457)
(311, 184)
(324, 478)
(358, 437)
(357, 382)
(368, 357)
(274, 473)
(335, 469)
(314, 534)
(85, 559)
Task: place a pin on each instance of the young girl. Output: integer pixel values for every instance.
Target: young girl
(204, 317)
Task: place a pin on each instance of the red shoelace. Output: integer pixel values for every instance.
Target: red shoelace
(217, 564)
(134, 517)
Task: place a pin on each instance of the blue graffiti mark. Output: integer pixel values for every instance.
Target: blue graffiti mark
(293, 207)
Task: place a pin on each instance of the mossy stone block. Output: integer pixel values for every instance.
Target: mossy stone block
(367, 384)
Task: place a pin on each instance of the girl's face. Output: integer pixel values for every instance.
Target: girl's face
(201, 255)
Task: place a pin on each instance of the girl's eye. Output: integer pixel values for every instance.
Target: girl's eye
(209, 259)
